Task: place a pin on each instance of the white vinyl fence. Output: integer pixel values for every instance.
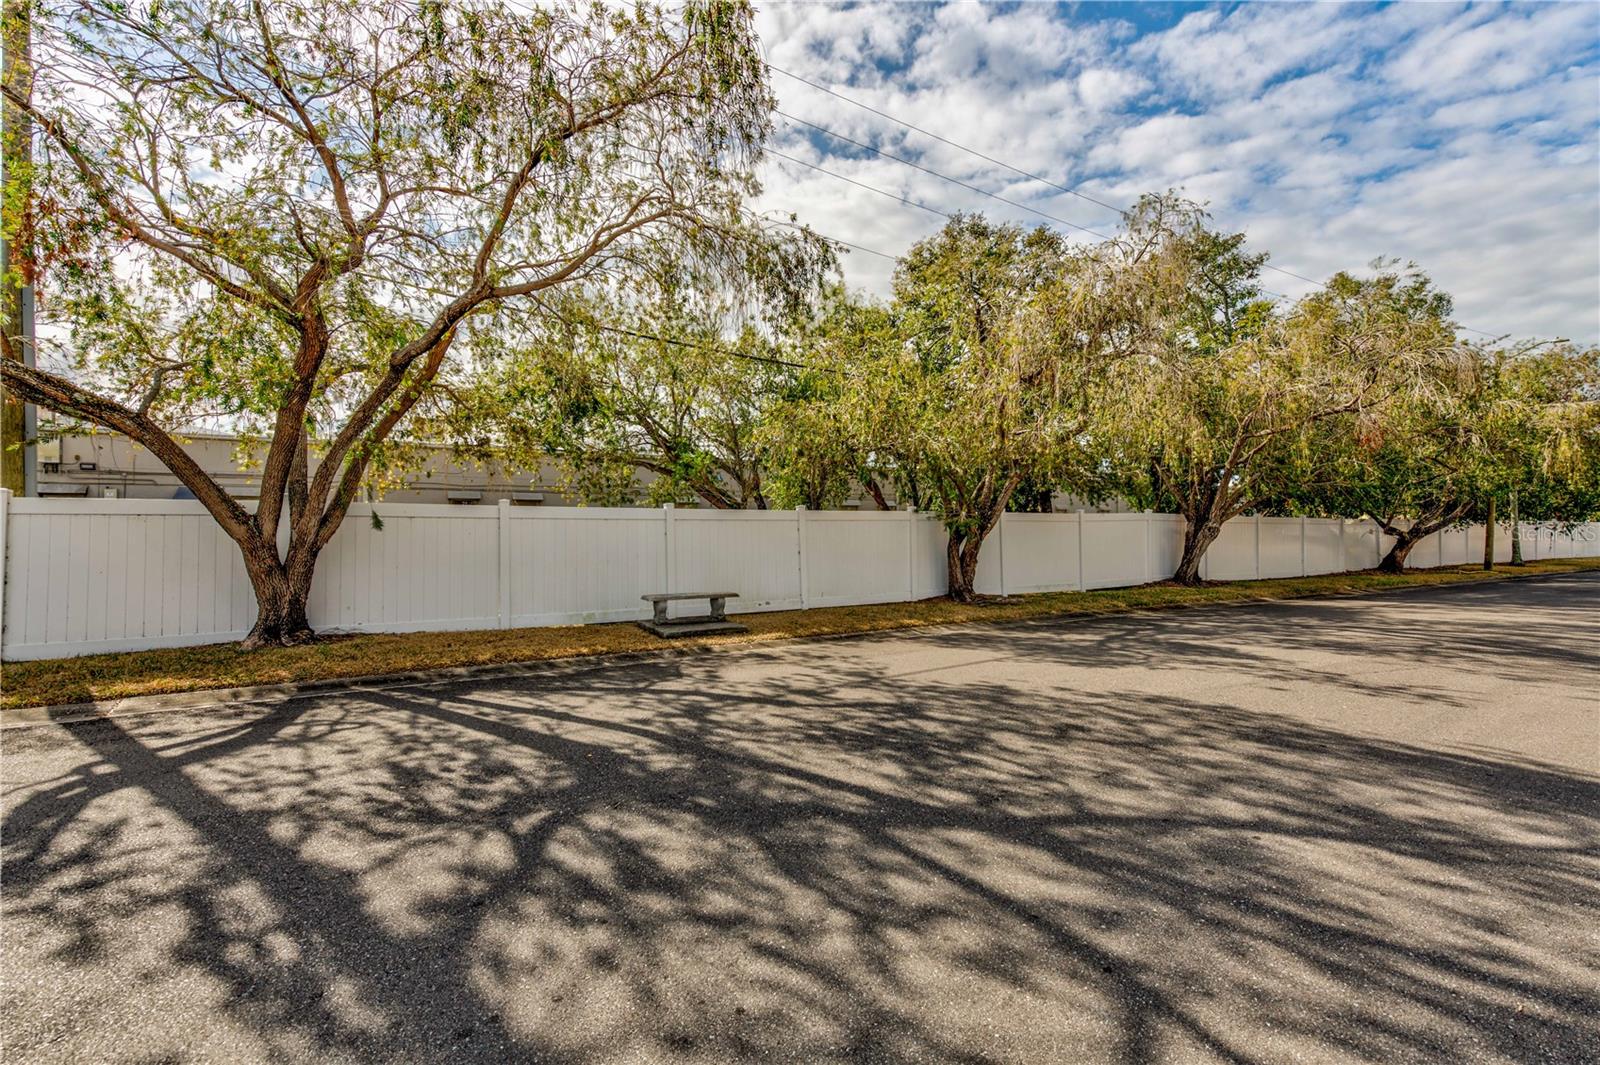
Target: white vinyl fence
(126, 574)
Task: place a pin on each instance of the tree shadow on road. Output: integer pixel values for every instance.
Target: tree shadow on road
(793, 857)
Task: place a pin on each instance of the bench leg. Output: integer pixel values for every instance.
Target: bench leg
(719, 608)
(661, 612)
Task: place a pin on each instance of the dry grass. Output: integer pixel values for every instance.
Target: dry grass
(111, 676)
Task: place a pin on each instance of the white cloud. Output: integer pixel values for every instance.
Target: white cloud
(1104, 88)
(1463, 138)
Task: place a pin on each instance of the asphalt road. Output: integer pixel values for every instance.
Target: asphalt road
(1336, 831)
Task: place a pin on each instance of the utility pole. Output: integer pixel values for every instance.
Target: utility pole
(18, 426)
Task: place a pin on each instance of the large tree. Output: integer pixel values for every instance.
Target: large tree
(1488, 421)
(1544, 438)
(982, 373)
(294, 216)
(1416, 466)
(1214, 422)
(16, 232)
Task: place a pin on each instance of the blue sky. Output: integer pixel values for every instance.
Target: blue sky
(1465, 137)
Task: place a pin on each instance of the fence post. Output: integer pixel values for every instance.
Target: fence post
(5, 562)
(1302, 545)
(911, 553)
(1146, 571)
(1257, 517)
(671, 546)
(1083, 578)
(1343, 564)
(1000, 542)
(504, 508)
(800, 537)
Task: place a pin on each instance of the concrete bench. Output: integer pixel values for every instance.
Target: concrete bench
(716, 621)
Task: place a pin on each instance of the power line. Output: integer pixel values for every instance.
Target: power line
(997, 162)
(991, 159)
(856, 247)
(925, 207)
(824, 236)
(862, 184)
(831, 240)
(942, 177)
(946, 140)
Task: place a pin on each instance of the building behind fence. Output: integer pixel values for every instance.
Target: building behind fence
(83, 576)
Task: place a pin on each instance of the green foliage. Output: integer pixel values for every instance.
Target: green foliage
(665, 376)
(1222, 413)
(1491, 422)
(979, 376)
(817, 434)
(1546, 438)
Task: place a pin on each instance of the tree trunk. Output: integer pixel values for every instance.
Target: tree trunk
(1198, 536)
(966, 539)
(876, 491)
(961, 559)
(281, 596)
(1406, 539)
(1395, 560)
(1488, 537)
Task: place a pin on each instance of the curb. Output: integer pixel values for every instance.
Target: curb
(267, 695)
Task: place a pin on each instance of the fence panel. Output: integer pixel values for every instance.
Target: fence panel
(575, 565)
(1587, 540)
(856, 558)
(1425, 553)
(1559, 542)
(1114, 551)
(428, 567)
(1166, 545)
(1360, 545)
(930, 565)
(1232, 556)
(753, 552)
(1041, 553)
(1281, 554)
(89, 575)
(1324, 546)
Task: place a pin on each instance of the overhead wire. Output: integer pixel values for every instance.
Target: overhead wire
(944, 177)
(987, 158)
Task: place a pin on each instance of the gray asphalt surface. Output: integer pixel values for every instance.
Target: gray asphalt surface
(1336, 831)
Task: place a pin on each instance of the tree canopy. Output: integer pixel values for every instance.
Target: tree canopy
(1217, 420)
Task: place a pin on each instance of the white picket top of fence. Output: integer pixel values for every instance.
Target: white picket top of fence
(83, 576)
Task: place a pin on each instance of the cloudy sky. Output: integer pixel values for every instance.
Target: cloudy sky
(1464, 138)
